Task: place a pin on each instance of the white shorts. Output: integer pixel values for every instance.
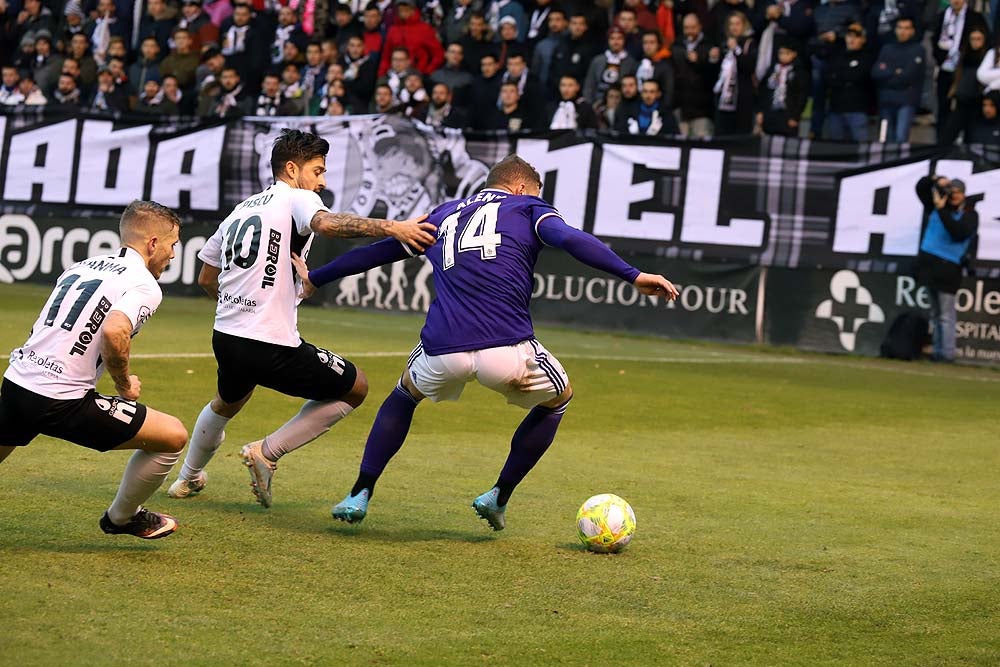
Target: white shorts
(526, 373)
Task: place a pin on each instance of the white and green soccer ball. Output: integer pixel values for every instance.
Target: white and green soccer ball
(605, 523)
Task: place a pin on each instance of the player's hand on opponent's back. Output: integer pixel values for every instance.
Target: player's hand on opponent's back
(414, 232)
(655, 285)
(302, 270)
(132, 391)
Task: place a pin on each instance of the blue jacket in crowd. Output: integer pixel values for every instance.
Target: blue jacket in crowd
(899, 73)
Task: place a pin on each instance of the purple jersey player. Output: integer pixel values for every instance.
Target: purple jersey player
(479, 326)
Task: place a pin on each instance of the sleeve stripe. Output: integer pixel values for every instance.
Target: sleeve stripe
(408, 249)
(550, 214)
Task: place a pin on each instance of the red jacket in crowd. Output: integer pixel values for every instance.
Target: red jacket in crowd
(420, 39)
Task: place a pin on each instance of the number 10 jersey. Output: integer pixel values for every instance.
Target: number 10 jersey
(258, 294)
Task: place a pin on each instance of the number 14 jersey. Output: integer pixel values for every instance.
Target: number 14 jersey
(484, 261)
(258, 294)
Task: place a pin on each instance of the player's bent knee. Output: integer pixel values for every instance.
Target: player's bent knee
(358, 392)
(562, 399)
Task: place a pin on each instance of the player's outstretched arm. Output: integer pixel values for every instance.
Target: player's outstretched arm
(589, 250)
(354, 261)
(655, 285)
(117, 343)
(414, 232)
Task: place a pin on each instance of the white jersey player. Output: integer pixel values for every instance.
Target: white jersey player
(248, 268)
(86, 327)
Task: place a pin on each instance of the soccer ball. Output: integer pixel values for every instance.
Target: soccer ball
(605, 523)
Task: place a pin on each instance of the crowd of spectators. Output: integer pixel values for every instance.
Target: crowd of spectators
(671, 67)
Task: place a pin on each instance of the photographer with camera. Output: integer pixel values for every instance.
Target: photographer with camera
(951, 227)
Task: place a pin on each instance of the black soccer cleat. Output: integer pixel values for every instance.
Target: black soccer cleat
(145, 524)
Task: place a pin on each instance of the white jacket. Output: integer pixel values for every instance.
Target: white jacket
(989, 71)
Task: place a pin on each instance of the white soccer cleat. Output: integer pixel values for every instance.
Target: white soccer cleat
(184, 488)
(261, 471)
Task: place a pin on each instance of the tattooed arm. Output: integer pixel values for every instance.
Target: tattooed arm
(414, 232)
(115, 348)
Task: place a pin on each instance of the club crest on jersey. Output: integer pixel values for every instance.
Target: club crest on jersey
(90, 329)
(271, 265)
(121, 409)
(331, 360)
(144, 314)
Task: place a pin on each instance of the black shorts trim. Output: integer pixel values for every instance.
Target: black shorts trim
(305, 371)
(95, 421)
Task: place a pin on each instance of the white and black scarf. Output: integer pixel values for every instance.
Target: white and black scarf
(538, 19)
(281, 35)
(778, 82)
(267, 105)
(228, 100)
(236, 40)
(565, 116)
(646, 71)
(951, 36)
(727, 86)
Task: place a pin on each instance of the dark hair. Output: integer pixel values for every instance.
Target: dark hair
(510, 169)
(658, 86)
(654, 33)
(904, 17)
(230, 68)
(558, 10)
(298, 147)
(401, 49)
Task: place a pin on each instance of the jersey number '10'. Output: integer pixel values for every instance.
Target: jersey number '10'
(234, 237)
(480, 233)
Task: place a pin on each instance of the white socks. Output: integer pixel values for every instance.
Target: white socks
(144, 474)
(314, 419)
(206, 436)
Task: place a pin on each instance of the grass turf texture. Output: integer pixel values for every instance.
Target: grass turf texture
(792, 509)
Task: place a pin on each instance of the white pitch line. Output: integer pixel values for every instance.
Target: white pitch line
(714, 358)
(590, 357)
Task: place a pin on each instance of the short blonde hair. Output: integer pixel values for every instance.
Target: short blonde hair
(143, 219)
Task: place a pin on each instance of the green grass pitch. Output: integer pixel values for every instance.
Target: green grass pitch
(792, 509)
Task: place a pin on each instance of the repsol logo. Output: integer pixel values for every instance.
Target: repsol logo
(611, 291)
(271, 263)
(30, 251)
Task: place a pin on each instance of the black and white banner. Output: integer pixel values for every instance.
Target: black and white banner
(771, 240)
(772, 201)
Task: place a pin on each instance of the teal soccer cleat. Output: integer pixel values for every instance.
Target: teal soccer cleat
(486, 507)
(351, 509)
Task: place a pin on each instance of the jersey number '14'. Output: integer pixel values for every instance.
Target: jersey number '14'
(480, 233)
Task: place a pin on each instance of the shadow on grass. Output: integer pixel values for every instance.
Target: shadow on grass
(303, 518)
(403, 535)
(113, 545)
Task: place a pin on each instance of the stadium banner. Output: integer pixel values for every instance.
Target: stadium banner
(849, 312)
(37, 248)
(716, 302)
(768, 201)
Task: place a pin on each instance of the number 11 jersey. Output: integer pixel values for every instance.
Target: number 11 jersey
(62, 357)
(258, 294)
